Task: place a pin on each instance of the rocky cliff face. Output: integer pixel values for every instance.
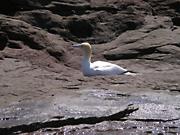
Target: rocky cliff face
(38, 63)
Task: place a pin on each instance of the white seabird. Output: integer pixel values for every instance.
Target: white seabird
(97, 67)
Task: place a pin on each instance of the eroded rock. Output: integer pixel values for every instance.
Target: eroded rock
(148, 45)
(41, 82)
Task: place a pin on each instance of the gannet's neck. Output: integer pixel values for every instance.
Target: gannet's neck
(87, 52)
(86, 62)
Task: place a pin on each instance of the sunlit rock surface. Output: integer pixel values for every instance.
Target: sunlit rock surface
(42, 89)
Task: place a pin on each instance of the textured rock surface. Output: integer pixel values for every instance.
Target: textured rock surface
(42, 89)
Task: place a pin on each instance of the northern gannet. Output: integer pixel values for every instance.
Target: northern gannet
(97, 67)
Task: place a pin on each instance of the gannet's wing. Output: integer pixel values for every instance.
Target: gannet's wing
(106, 68)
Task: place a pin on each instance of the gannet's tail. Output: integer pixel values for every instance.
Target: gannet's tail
(130, 73)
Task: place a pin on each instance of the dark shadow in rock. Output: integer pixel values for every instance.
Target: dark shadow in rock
(132, 54)
(125, 55)
(57, 52)
(1, 56)
(3, 40)
(7, 7)
(132, 25)
(15, 44)
(10, 7)
(175, 4)
(176, 20)
(68, 9)
(80, 28)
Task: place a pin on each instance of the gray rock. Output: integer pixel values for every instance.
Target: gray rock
(148, 43)
(42, 89)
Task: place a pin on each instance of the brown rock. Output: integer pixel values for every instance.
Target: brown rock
(143, 45)
(42, 87)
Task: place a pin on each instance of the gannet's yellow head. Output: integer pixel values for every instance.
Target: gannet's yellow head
(86, 47)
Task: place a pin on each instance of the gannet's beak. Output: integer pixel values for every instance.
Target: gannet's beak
(77, 45)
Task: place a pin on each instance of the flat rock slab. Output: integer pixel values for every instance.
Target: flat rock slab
(34, 99)
(89, 106)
